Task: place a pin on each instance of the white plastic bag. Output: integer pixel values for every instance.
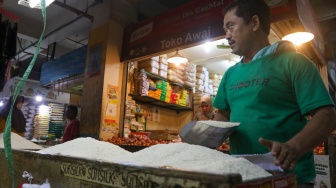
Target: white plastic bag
(44, 185)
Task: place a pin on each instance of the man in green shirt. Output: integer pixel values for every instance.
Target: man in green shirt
(270, 92)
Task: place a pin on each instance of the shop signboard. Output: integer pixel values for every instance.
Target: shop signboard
(282, 9)
(190, 24)
(197, 21)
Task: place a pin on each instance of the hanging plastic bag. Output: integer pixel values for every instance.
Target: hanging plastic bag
(44, 185)
(30, 178)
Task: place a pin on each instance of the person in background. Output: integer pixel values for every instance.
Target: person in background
(207, 112)
(18, 120)
(71, 131)
(270, 92)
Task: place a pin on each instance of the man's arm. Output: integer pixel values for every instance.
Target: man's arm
(222, 115)
(315, 132)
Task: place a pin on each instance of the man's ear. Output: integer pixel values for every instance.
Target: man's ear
(255, 22)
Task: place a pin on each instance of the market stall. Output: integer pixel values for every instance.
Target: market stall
(65, 166)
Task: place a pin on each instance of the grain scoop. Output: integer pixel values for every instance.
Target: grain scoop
(207, 133)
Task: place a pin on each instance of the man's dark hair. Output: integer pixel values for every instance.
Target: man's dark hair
(73, 109)
(246, 9)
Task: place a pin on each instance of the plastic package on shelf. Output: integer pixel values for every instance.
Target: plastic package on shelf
(143, 87)
(180, 81)
(179, 76)
(172, 78)
(201, 69)
(200, 75)
(156, 58)
(206, 79)
(190, 66)
(180, 72)
(171, 72)
(199, 82)
(151, 83)
(163, 66)
(188, 78)
(206, 84)
(206, 73)
(163, 73)
(199, 88)
(198, 94)
(152, 70)
(206, 90)
(189, 74)
(149, 63)
(163, 60)
(213, 76)
(189, 84)
(189, 70)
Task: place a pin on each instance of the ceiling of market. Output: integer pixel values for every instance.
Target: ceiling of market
(69, 22)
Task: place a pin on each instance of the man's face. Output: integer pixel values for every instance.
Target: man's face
(68, 114)
(238, 34)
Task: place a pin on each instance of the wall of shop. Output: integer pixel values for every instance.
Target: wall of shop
(103, 70)
(93, 84)
(113, 83)
(169, 119)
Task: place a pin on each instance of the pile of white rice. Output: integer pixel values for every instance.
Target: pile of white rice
(20, 143)
(193, 157)
(175, 155)
(87, 148)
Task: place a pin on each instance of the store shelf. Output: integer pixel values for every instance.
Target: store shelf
(159, 103)
(149, 75)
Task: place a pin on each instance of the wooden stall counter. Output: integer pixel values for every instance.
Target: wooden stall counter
(69, 172)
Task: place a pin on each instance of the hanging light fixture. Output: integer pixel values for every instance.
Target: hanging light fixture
(38, 98)
(177, 58)
(34, 3)
(299, 38)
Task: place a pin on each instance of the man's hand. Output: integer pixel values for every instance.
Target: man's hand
(286, 154)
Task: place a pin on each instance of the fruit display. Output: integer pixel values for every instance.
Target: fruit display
(143, 140)
(136, 140)
(319, 150)
(224, 147)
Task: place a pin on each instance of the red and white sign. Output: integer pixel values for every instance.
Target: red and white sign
(188, 25)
